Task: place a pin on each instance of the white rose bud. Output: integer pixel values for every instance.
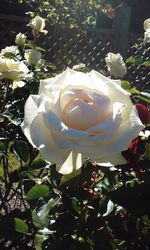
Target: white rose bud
(147, 30)
(38, 24)
(20, 39)
(13, 70)
(115, 65)
(32, 56)
(78, 115)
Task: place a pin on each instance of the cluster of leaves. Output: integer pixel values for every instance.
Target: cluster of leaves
(138, 65)
(92, 208)
(72, 14)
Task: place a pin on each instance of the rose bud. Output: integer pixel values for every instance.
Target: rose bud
(143, 113)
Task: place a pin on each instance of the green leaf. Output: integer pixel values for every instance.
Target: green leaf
(37, 192)
(39, 163)
(68, 177)
(21, 149)
(39, 239)
(146, 63)
(30, 45)
(75, 206)
(78, 176)
(39, 48)
(41, 217)
(9, 55)
(126, 85)
(134, 91)
(144, 98)
(136, 61)
(110, 207)
(21, 226)
(9, 116)
(2, 148)
(135, 198)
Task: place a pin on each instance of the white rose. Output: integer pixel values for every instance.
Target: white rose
(32, 56)
(115, 64)
(147, 25)
(9, 50)
(38, 24)
(78, 115)
(20, 39)
(13, 70)
(147, 30)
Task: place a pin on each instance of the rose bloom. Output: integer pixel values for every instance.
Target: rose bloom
(13, 70)
(32, 56)
(115, 64)
(38, 24)
(9, 50)
(81, 115)
(20, 39)
(147, 30)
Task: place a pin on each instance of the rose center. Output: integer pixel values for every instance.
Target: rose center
(86, 110)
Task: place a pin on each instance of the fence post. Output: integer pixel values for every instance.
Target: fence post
(121, 28)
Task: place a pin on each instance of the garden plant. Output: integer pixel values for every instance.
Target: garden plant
(74, 145)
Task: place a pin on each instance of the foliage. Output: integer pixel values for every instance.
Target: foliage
(93, 208)
(72, 14)
(138, 64)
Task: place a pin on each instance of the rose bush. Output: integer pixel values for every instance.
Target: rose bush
(13, 70)
(78, 115)
(115, 64)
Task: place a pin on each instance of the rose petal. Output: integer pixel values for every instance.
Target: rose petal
(51, 91)
(109, 161)
(115, 93)
(33, 106)
(19, 84)
(43, 140)
(126, 133)
(82, 140)
(98, 134)
(73, 162)
(116, 143)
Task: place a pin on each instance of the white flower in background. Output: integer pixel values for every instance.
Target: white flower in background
(32, 56)
(38, 24)
(13, 70)
(9, 50)
(147, 24)
(115, 64)
(20, 39)
(147, 30)
(78, 115)
(79, 66)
